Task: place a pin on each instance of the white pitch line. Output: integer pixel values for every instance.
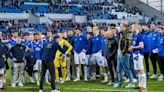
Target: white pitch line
(88, 89)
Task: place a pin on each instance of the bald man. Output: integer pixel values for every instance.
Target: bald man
(110, 54)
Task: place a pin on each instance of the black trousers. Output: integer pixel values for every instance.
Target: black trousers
(161, 64)
(146, 57)
(48, 64)
(112, 64)
(153, 59)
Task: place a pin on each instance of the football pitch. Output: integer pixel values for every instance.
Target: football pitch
(90, 86)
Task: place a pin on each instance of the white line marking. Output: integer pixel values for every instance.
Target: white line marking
(89, 89)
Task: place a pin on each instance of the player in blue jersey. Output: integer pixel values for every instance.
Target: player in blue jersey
(104, 61)
(36, 47)
(146, 37)
(153, 49)
(96, 52)
(11, 43)
(138, 55)
(161, 53)
(89, 51)
(25, 42)
(79, 45)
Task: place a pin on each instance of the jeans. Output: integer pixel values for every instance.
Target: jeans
(123, 63)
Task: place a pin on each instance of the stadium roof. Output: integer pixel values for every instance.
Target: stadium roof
(157, 4)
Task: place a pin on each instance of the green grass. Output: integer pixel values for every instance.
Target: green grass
(91, 86)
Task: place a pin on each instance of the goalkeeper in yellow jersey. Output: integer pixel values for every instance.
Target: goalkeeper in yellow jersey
(60, 60)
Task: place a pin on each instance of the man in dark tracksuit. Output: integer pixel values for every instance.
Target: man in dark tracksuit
(2, 62)
(48, 54)
(111, 54)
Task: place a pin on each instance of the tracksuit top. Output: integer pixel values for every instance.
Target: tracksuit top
(153, 41)
(161, 45)
(146, 38)
(96, 44)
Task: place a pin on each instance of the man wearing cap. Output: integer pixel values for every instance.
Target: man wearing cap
(47, 55)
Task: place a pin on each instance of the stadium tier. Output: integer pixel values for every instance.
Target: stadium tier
(81, 46)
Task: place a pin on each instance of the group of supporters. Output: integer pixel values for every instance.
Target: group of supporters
(75, 55)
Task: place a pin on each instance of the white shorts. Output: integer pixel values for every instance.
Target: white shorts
(97, 59)
(104, 62)
(37, 65)
(2, 70)
(138, 61)
(80, 58)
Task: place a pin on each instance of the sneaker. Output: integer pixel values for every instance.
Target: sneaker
(40, 90)
(110, 83)
(142, 89)
(77, 79)
(61, 81)
(55, 90)
(48, 82)
(20, 84)
(85, 79)
(135, 80)
(130, 86)
(153, 76)
(127, 80)
(117, 85)
(104, 81)
(13, 85)
(98, 76)
(161, 76)
(68, 79)
(38, 83)
(32, 80)
(160, 79)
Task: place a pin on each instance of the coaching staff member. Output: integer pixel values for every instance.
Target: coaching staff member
(48, 54)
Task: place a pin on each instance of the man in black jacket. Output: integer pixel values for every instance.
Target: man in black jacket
(111, 54)
(17, 54)
(48, 54)
(2, 62)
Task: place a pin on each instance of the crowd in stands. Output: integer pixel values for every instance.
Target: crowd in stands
(101, 10)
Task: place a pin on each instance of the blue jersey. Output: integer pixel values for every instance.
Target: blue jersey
(136, 39)
(146, 38)
(103, 40)
(43, 41)
(12, 42)
(161, 45)
(96, 44)
(26, 43)
(37, 47)
(80, 43)
(89, 47)
(153, 40)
